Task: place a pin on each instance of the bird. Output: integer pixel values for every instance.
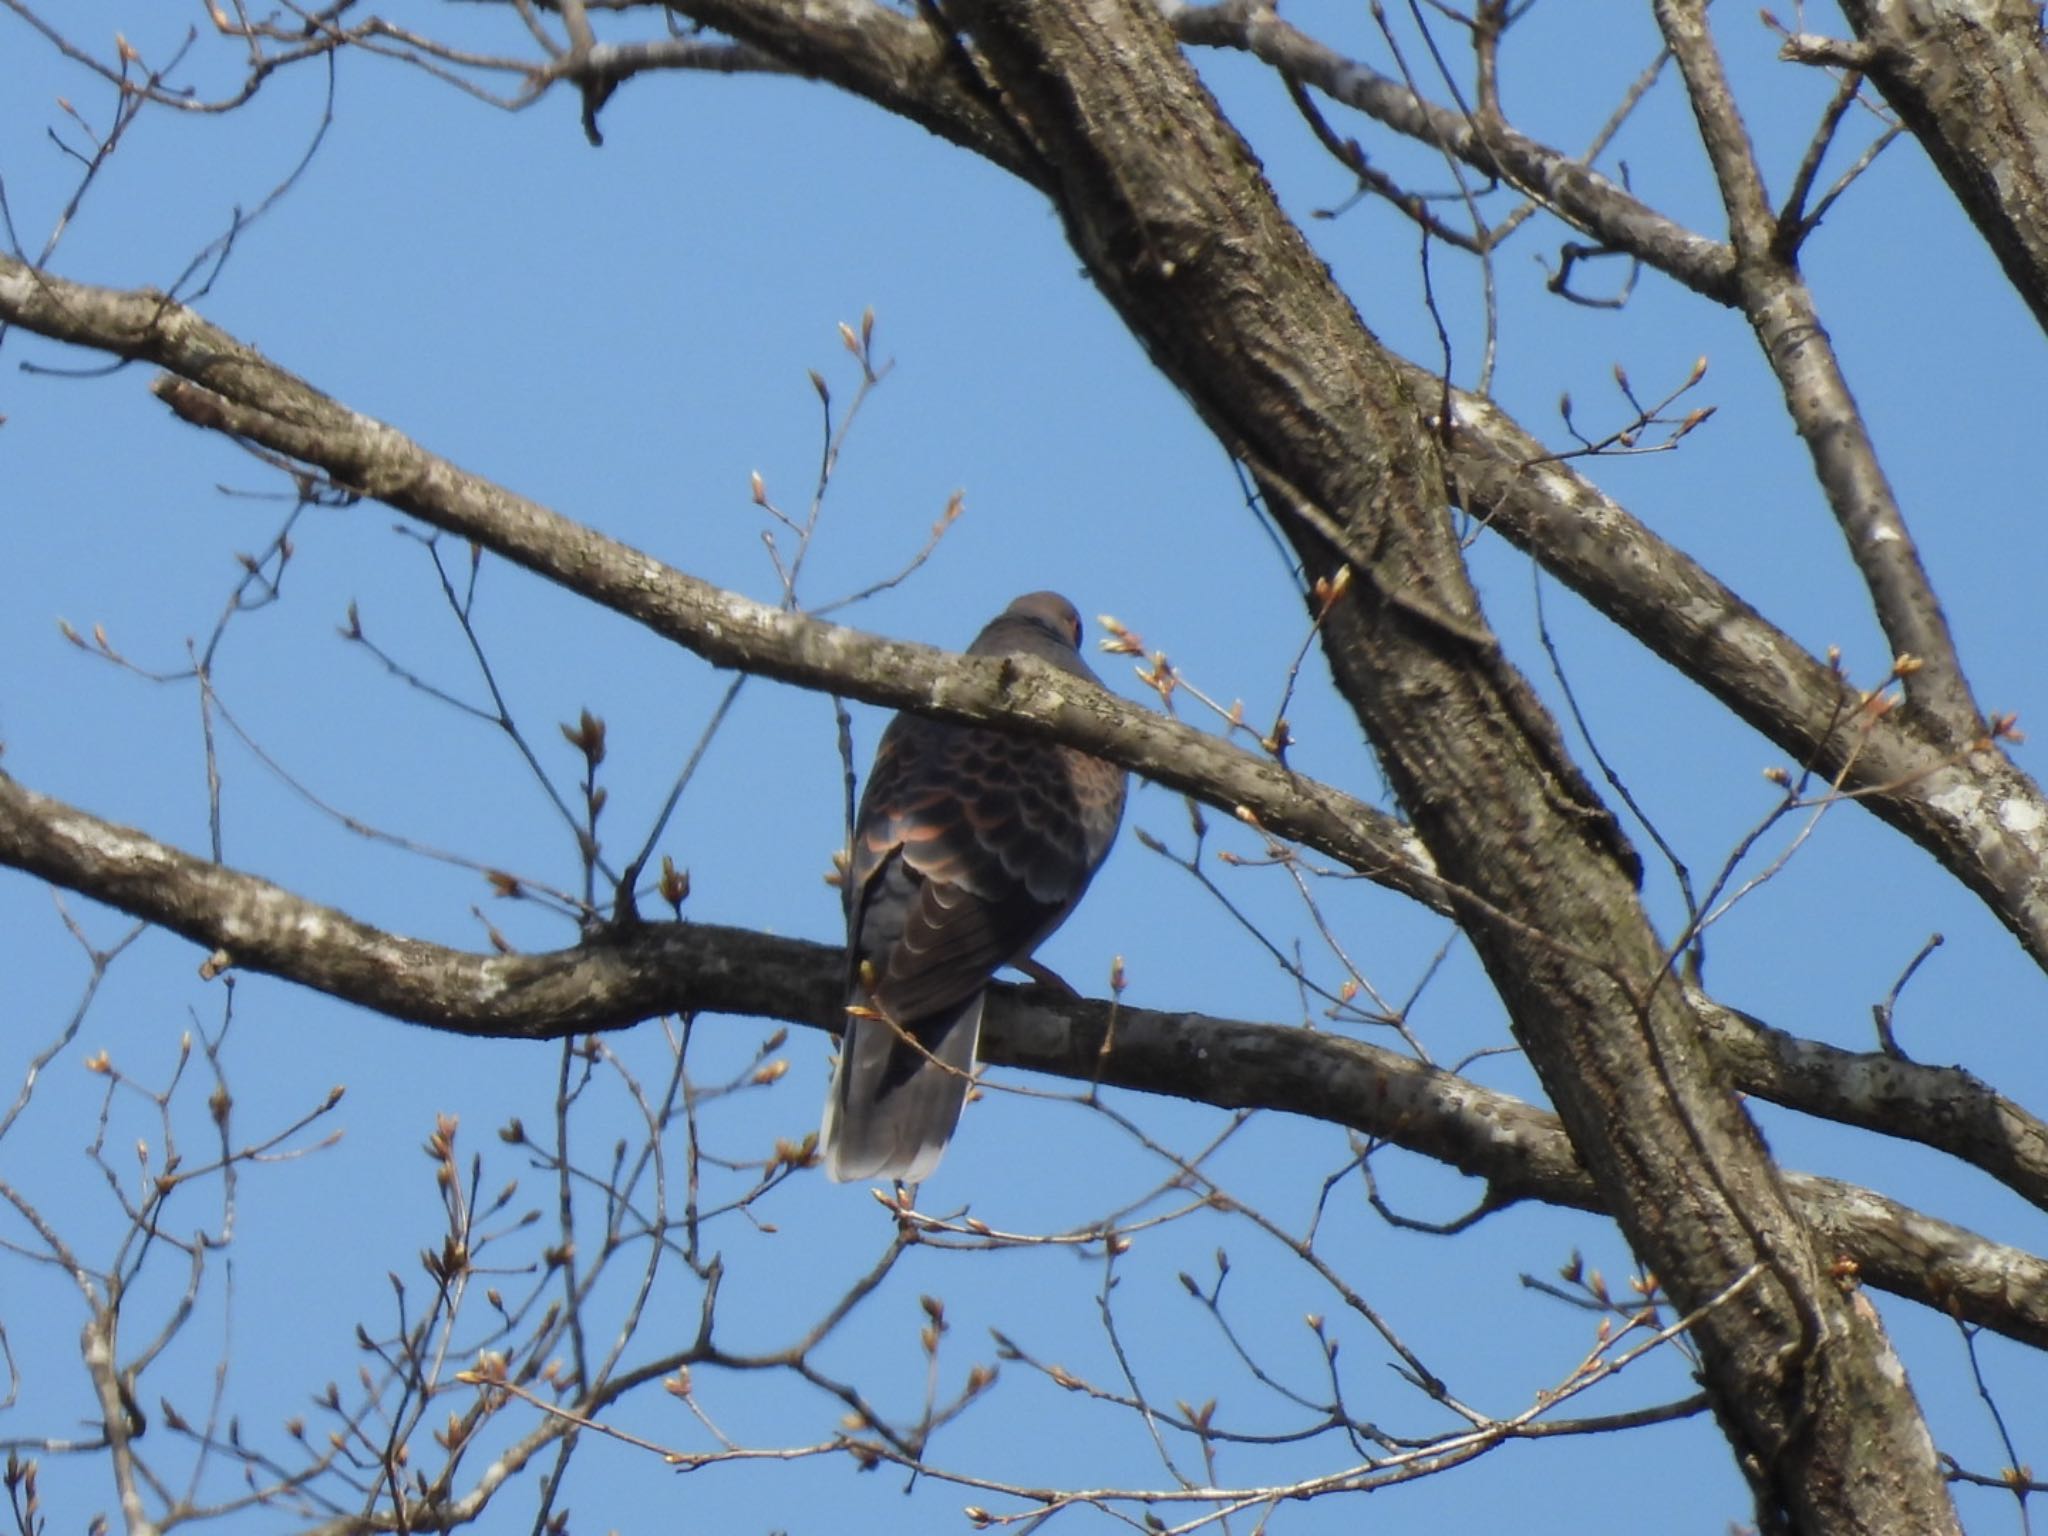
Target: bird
(970, 847)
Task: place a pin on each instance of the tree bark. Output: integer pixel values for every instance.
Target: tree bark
(1167, 208)
(1970, 79)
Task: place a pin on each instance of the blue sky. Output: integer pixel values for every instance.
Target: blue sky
(623, 334)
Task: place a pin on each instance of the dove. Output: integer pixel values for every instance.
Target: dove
(970, 848)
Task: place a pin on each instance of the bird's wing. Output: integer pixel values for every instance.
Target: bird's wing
(971, 848)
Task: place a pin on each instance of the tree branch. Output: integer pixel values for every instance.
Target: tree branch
(892, 59)
(1571, 189)
(1984, 818)
(1169, 210)
(1970, 79)
(1976, 811)
(1653, 589)
(242, 393)
(1973, 814)
(1781, 311)
(630, 974)
(1943, 1107)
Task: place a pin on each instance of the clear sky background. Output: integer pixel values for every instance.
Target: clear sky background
(623, 334)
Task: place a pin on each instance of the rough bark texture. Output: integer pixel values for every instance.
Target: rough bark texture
(1968, 804)
(1167, 208)
(1970, 78)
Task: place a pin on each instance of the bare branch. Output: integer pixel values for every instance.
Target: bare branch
(1976, 811)
(1789, 332)
(637, 972)
(246, 395)
(1579, 195)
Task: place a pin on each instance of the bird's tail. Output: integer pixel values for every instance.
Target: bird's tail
(895, 1100)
